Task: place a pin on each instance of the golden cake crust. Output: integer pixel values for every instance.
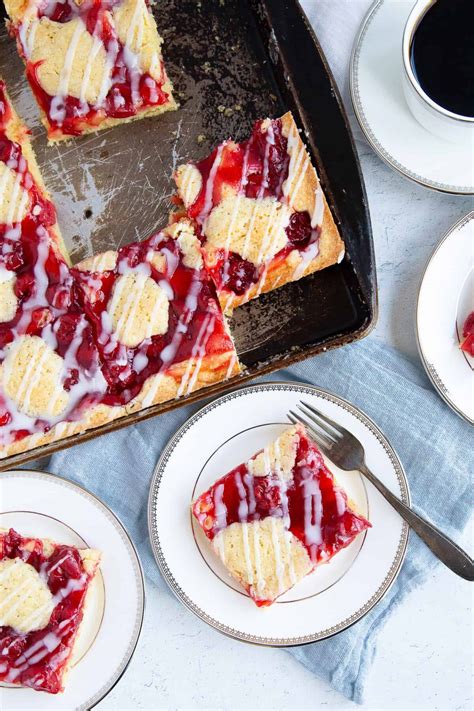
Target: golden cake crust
(156, 389)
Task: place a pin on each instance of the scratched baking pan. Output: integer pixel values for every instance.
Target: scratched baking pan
(232, 62)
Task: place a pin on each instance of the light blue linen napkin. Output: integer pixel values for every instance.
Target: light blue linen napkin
(434, 445)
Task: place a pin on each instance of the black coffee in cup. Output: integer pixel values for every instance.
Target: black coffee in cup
(442, 55)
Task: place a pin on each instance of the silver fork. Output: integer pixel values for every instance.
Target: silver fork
(347, 453)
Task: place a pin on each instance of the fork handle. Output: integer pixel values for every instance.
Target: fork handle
(443, 547)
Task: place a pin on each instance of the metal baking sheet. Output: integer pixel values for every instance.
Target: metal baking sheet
(231, 62)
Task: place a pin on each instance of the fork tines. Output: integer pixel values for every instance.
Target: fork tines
(320, 437)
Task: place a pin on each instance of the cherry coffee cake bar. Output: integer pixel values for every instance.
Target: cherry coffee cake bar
(90, 63)
(260, 212)
(274, 519)
(44, 588)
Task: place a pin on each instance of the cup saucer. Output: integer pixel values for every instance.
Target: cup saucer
(393, 132)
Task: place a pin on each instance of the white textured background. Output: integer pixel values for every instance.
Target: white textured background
(424, 658)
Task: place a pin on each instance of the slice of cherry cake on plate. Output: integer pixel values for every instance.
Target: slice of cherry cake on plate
(260, 212)
(44, 588)
(91, 64)
(274, 519)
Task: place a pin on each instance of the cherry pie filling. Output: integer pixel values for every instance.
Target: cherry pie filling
(195, 323)
(131, 90)
(256, 168)
(467, 344)
(37, 659)
(324, 526)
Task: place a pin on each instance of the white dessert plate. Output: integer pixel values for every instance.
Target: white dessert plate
(382, 111)
(222, 435)
(46, 506)
(445, 300)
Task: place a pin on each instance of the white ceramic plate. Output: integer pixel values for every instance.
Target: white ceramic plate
(445, 299)
(219, 437)
(380, 106)
(43, 505)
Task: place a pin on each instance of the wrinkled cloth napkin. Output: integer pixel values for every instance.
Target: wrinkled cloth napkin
(432, 442)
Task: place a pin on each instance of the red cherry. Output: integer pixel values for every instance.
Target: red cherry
(5, 418)
(299, 231)
(468, 328)
(239, 275)
(39, 319)
(66, 328)
(24, 285)
(71, 379)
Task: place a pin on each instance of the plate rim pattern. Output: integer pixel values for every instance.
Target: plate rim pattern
(430, 369)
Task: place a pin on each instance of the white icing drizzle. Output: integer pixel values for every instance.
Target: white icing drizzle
(208, 202)
(5, 605)
(187, 185)
(197, 355)
(111, 58)
(295, 171)
(318, 212)
(220, 508)
(313, 513)
(243, 183)
(16, 206)
(97, 45)
(285, 512)
(132, 60)
(57, 110)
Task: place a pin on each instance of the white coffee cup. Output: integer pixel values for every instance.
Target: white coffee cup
(436, 119)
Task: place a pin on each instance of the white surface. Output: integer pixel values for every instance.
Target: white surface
(424, 651)
(58, 509)
(378, 85)
(446, 299)
(321, 604)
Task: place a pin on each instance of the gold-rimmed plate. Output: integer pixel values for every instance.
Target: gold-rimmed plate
(222, 435)
(43, 505)
(445, 300)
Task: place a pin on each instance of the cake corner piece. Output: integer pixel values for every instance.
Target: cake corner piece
(261, 211)
(91, 66)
